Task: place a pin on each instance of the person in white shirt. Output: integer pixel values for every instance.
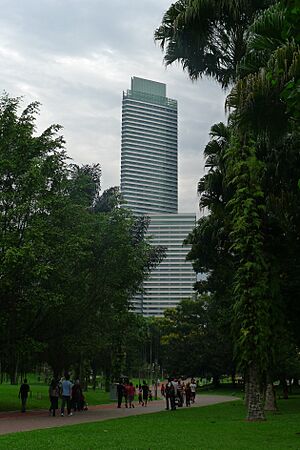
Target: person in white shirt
(193, 390)
(66, 391)
(170, 395)
(175, 384)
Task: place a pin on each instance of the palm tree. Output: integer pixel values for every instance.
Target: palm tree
(210, 240)
(208, 37)
(252, 45)
(211, 187)
(267, 74)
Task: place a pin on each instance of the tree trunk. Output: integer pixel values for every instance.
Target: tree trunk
(270, 400)
(255, 408)
(107, 382)
(246, 390)
(86, 383)
(94, 380)
(216, 381)
(57, 367)
(285, 389)
(56, 373)
(14, 373)
(233, 378)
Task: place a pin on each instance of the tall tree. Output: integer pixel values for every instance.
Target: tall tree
(252, 318)
(32, 175)
(259, 101)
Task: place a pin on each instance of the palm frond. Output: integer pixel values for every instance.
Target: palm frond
(264, 37)
(270, 22)
(207, 37)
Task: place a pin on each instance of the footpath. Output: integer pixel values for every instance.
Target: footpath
(14, 421)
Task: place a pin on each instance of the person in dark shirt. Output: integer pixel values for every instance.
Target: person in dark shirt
(53, 396)
(23, 394)
(170, 395)
(145, 389)
(120, 393)
(77, 396)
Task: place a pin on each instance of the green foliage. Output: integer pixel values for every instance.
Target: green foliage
(262, 100)
(32, 177)
(252, 301)
(291, 92)
(248, 245)
(211, 257)
(195, 338)
(70, 261)
(269, 73)
(207, 37)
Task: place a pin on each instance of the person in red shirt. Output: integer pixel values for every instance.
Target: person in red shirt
(130, 394)
(126, 388)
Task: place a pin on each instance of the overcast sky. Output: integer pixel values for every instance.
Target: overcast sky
(77, 56)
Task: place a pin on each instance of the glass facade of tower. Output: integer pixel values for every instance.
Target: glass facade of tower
(174, 278)
(149, 148)
(149, 186)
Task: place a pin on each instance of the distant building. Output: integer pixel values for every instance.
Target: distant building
(149, 184)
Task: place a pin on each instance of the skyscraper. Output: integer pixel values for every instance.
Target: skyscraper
(149, 148)
(149, 184)
(174, 278)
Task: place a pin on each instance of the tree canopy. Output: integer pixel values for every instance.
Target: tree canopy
(71, 258)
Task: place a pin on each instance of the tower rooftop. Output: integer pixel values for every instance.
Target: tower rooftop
(148, 87)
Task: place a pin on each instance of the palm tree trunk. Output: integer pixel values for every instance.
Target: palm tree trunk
(255, 408)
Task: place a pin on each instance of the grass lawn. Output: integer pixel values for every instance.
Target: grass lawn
(223, 389)
(39, 398)
(217, 427)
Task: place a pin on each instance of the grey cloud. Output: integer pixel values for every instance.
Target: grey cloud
(76, 57)
(81, 27)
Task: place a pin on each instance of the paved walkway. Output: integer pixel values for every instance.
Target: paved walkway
(14, 421)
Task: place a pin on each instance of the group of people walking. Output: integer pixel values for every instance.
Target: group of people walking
(126, 391)
(71, 394)
(176, 392)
